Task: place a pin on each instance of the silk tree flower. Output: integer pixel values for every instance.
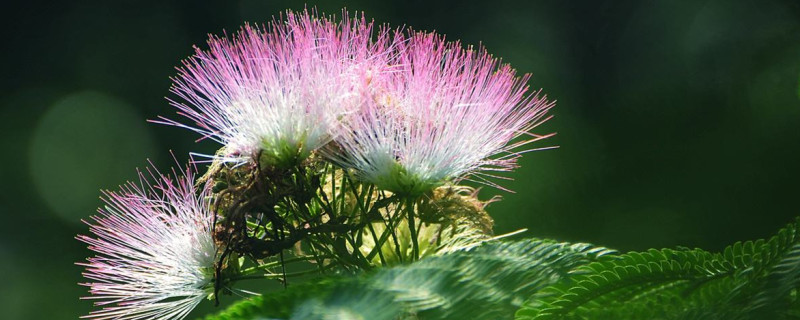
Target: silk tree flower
(444, 113)
(155, 252)
(276, 91)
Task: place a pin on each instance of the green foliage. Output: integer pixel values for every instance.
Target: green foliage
(277, 304)
(543, 279)
(748, 280)
(485, 281)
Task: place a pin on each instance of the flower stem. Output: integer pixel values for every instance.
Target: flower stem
(412, 229)
(276, 275)
(268, 265)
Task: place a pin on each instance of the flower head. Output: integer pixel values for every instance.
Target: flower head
(276, 91)
(442, 113)
(155, 250)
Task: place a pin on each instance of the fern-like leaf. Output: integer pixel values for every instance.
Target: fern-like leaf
(485, 282)
(747, 280)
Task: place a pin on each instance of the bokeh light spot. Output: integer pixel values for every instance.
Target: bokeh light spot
(84, 142)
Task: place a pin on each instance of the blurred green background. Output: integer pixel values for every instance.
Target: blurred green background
(678, 122)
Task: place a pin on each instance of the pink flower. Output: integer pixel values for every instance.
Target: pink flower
(278, 90)
(441, 113)
(155, 250)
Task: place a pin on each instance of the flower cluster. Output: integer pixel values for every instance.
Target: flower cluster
(277, 91)
(443, 113)
(407, 111)
(342, 142)
(155, 250)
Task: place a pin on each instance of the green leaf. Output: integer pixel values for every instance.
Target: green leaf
(747, 280)
(487, 281)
